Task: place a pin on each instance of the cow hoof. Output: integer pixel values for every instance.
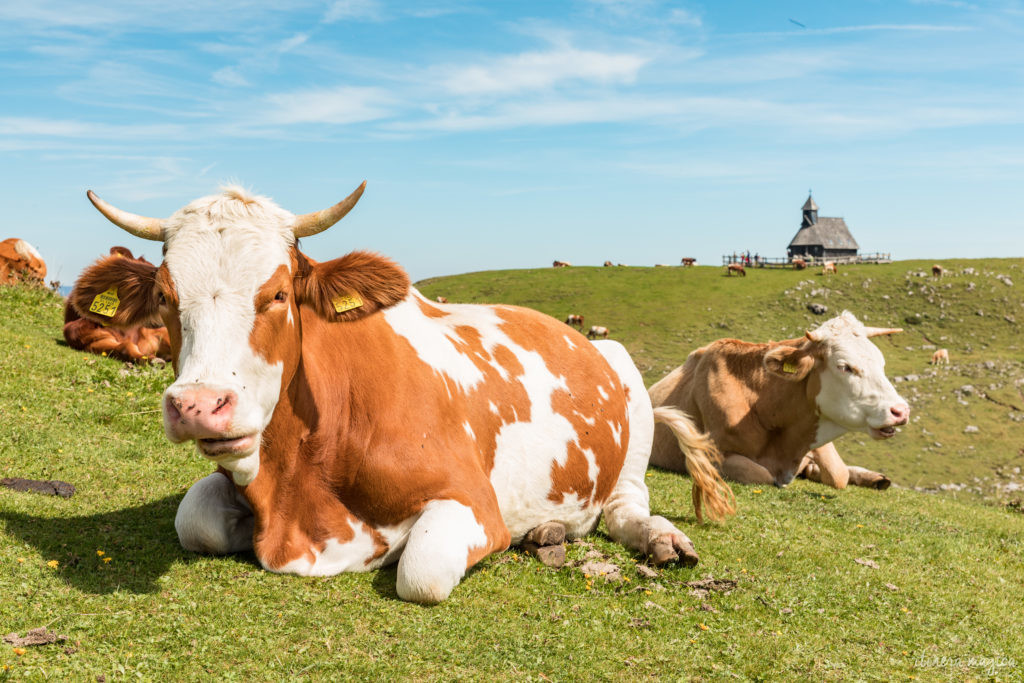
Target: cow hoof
(550, 555)
(667, 549)
(882, 483)
(548, 533)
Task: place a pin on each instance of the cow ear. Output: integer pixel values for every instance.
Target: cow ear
(117, 292)
(789, 362)
(351, 287)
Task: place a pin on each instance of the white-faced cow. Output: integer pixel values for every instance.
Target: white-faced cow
(765, 406)
(20, 262)
(355, 423)
(829, 267)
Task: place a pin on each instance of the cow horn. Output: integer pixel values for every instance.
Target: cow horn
(878, 331)
(140, 226)
(312, 223)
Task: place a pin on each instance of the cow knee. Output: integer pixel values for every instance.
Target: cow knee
(438, 551)
(212, 518)
(744, 470)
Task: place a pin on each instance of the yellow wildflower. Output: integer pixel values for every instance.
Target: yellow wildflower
(703, 627)
(100, 553)
(19, 651)
(103, 353)
(20, 560)
(107, 560)
(52, 564)
(758, 491)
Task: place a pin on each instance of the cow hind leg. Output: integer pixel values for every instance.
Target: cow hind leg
(546, 542)
(446, 540)
(627, 512)
(214, 518)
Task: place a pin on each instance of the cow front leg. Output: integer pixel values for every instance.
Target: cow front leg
(860, 476)
(744, 470)
(445, 541)
(214, 518)
(824, 465)
(546, 542)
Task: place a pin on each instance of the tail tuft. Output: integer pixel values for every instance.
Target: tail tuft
(702, 461)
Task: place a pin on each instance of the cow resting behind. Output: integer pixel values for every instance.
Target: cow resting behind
(766, 406)
(354, 424)
(20, 262)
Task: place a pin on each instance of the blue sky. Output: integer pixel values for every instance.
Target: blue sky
(509, 134)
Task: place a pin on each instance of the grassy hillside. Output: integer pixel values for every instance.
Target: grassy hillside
(794, 593)
(661, 314)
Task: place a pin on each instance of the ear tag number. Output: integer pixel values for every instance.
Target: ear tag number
(789, 367)
(106, 303)
(346, 302)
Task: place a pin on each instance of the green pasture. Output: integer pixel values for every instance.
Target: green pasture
(805, 583)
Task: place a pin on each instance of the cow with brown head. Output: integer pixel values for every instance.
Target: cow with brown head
(355, 423)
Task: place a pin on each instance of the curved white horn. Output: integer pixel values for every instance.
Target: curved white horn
(311, 223)
(140, 226)
(878, 331)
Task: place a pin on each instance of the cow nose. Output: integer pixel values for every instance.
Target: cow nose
(901, 412)
(201, 412)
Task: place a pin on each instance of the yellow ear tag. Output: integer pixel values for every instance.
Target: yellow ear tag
(789, 367)
(346, 302)
(106, 303)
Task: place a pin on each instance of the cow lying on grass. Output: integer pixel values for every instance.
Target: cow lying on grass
(355, 424)
(20, 262)
(758, 409)
(135, 344)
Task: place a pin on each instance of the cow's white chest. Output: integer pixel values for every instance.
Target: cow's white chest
(353, 555)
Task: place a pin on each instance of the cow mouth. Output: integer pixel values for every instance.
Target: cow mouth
(231, 445)
(883, 432)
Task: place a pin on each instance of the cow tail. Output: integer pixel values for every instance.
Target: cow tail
(702, 461)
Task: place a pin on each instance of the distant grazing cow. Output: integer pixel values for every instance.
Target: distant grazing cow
(799, 263)
(442, 299)
(736, 268)
(597, 331)
(20, 262)
(688, 261)
(829, 267)
(560, 264)
(355, 424)
(940, 357)
(938, 271)
(574, 320)
(608, 263)
(135, 344)
(759, 408)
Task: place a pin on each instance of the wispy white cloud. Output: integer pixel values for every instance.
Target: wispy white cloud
(358, 10)
(230, 77)
(340, 105)
(541, 70)
(684, 17)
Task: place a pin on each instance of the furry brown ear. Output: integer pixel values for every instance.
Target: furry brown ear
(793, 363)
(117, 292)
(351, 287)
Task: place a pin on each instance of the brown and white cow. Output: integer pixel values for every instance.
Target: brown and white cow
(355, 423)
(596, 331)
(736, 268)
(829, 267)
(940, 356)
(688, 261)
(561, 264)
(799, 263)
(575, 320)
(765, 406)
(20, 262)
(136, 344)
(938, 271)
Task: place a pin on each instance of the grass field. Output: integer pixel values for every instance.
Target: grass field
(809, 583)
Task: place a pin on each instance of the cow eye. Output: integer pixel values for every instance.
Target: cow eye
(281, 296)
(161, 299)
(848, 369)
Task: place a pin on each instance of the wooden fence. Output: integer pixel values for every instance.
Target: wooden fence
(811, 261)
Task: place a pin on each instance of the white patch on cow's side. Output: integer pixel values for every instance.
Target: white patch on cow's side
(354, 555)
(469, 430)
(602, 392)
(568, 340)
(26, 250)
(493, 408)
(437, 551)
(213, 518)
(616, 432)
